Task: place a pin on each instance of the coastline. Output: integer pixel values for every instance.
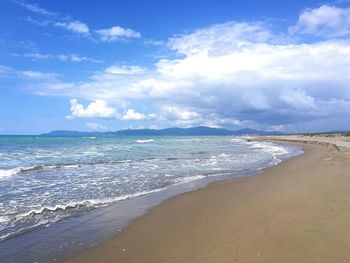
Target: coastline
(293, 212)
(71, 235)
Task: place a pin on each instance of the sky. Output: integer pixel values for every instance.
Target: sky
(112, 65)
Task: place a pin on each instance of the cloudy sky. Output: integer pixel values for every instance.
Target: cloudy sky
(110, 65)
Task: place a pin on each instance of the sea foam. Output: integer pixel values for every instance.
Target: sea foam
(145, 141)
(53, 178)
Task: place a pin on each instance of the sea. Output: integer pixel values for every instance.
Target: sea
(46, 180)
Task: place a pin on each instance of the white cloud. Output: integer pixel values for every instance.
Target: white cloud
(154, 42)
(74, 26)
(36, 74)
(55, 20)
(95, 126)
(5, 70)
(114, 33)
(132, 115)
(96, 109)
(117, 33)
(211, 40)
(76, 58)
(232, 74)
(41, 22)
(38, 56)
(61, 57)
(182, 117)
(34, 8)
(298, 99)
(175, 113)
(328, 21)
(32, 75)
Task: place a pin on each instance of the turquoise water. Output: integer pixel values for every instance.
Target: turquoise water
(46, 179)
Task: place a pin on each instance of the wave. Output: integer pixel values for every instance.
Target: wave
(172, 159)
(45, 219)
(89, 203)
(278, 152)
(3, 219)
(264, 147)
(145, 141)
(268, 148)
(238, 140)
(189, 179)
(6, 173)
(26, 229)
(47, 215)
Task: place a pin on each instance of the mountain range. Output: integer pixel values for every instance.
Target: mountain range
(193, 131)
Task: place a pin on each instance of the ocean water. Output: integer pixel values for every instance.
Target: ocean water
(47, 179)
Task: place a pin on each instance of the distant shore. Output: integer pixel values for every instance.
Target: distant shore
(297, 211)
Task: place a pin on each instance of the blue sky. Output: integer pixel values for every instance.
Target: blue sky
(110, 65)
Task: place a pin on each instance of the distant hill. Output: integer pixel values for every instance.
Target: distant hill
(193, 131)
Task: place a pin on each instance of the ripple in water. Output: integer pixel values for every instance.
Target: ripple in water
(43, 180)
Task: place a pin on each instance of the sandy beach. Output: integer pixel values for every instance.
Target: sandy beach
(297, 211)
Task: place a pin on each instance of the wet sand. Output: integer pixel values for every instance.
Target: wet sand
(298, 211)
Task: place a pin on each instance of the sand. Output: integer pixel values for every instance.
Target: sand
(329, 140)
(298, 211)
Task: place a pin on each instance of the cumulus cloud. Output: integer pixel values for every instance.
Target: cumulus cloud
(117, 33)
(212, 39)
(298, 99)
(74, 26)
(175, 113)
(328, 21)
(96, 109)
(133, 115)
(231, 75)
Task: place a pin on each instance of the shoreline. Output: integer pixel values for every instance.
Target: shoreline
(196, 226)
(281, 215)
(73, 235)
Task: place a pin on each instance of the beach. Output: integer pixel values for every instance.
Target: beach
(175, 131)
(297, 211)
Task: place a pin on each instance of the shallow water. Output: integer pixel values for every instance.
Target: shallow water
(46, 179)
